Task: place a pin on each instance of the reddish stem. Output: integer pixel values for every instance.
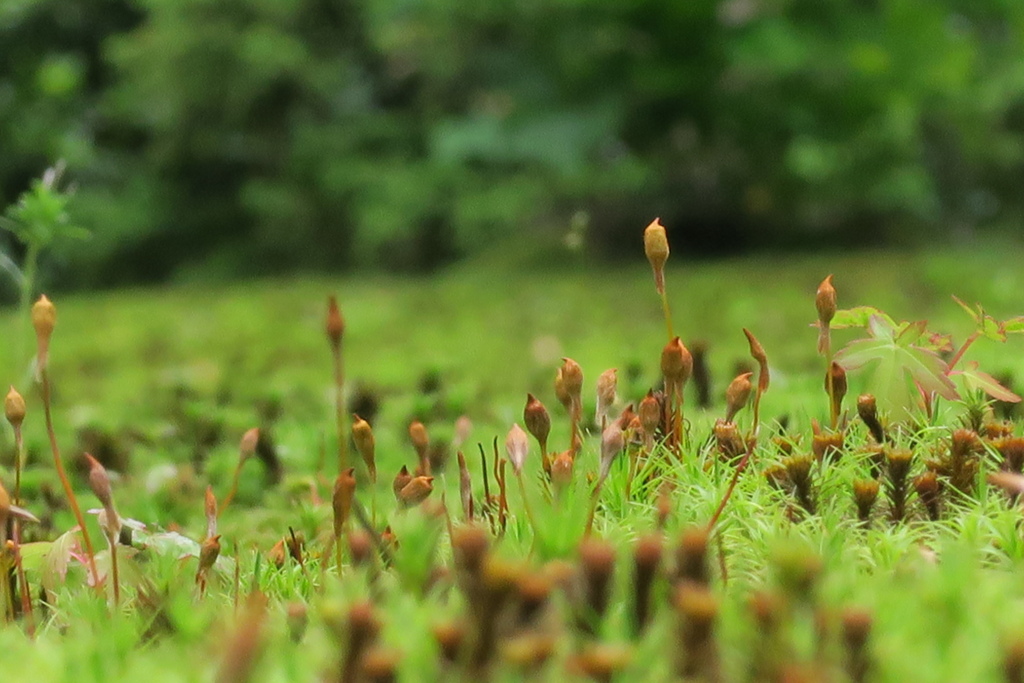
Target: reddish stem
(732, 485)
(961, 351)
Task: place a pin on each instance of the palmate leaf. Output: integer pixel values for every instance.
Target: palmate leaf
(899, 365)
(976, 379)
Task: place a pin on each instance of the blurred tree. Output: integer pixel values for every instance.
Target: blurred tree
(268, 135)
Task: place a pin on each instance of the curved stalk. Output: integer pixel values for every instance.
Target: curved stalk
(65, 482)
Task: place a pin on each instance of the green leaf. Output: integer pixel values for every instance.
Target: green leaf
(899, 365)
(882, 327)
(992, 328)
(910, 333)
(855, 317)
(986, 325)
(976, 379)
(1014, 325)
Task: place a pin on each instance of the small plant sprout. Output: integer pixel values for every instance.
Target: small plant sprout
(569, 387)
(421, 443)
(763, 376)
(897, 468)
(246, 449)
(341, 506)
(613, 440)
(825, 302)
(676, 368)
(835, 385)
(561, 471)
(538, 423)
(865, 493)
(110, 521)
(14, 410)
(606, 394)
(517, 447)
(366, 445)
(656, 250)
(210, 510)
(867, 409)
(737, 395)
(209, 551)
(44, 320)
(362, 435)
(650, 414)
(335, 328)
(399, 482)
(416, 491)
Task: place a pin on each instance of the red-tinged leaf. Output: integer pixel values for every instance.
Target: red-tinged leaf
(939, 343)
(57, 558)
(909, 333)
(976, 379)
(929, 371)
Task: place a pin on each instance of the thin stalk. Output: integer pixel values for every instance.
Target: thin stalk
(339, 407)
(732, 486)
(337, 552)
(757, 409)
(373, 503)
(238, 579)
(8, 586)
(723, 568)
(668, 313)
(26, 598)
(19, 456)
(112, 541)
(575, 411)
(961, 351)
(634, 459)
(232, 491)
(832, 407)
(65, 482)
(680, 434)
(526, 502)
(594, 498)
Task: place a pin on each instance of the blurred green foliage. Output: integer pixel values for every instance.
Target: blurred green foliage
(266, 135)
